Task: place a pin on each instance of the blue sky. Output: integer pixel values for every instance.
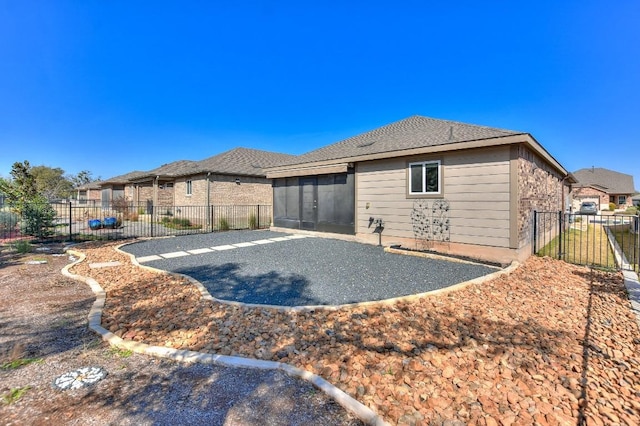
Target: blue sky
(115, 86)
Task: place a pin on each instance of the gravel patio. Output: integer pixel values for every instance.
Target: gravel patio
(294, 270)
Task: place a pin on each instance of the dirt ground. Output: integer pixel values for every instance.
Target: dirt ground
(43, 321)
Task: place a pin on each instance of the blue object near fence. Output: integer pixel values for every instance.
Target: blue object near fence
(95, 224)
(110, 222)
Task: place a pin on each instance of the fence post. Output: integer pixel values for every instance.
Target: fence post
(560, 217)
(151, 218)
(259, 217)
(637, 229)
(535, 231)
(70, 222)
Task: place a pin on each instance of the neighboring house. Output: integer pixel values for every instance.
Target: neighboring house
(113, 188)
(234, 177)
(156, 187)
(89, 193)
(636, 200)
(603, 186)
(425, 183)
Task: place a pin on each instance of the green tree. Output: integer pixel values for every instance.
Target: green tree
(82, 178)
(52, 182)
(21, 188)
(37, 215)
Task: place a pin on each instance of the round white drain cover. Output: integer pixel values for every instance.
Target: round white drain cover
(81, 377)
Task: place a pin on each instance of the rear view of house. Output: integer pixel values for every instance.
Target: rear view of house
(425, 183)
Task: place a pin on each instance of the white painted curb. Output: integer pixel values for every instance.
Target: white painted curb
(630, 277)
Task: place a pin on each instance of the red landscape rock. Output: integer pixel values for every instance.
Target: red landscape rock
(509, 351)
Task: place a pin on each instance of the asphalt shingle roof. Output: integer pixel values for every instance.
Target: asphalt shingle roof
(613, 182)
(91, 185)
(238, 161)
(243, 161)
(175, 168)
(123, 178)
(413, 132)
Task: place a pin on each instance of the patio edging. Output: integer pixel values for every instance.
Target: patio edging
(409, 298)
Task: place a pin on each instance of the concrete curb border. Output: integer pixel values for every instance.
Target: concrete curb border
(633, 290)
(355, 407)
(630, 277)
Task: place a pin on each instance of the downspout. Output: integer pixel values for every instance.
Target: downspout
(563, 200)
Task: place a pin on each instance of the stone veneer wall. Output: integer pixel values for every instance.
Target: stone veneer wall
(540, 188)
(198, 195)
(250, 191)
(94, 194)
(165, 194)
(224, 191)
(145, 193)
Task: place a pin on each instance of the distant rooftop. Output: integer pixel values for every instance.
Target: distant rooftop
(610, 181)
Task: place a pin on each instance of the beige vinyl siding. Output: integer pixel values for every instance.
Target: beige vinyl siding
(475, 183)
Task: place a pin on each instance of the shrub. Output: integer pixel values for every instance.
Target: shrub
(178, 223)
(133, 217)
(253, 221)
(612, 206)
(184, 223)
(22, 246)
(223, 224)
(37, 220)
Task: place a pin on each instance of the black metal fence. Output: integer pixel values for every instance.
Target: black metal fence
(606, 241)
(72, 221)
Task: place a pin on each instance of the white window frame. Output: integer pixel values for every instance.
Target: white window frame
(424, 177)
(622, 200)
(189, 190)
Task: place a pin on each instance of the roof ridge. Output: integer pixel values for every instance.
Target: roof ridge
(416, 131)
(469, 124)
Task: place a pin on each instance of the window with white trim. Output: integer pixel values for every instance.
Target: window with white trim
(424, 178)
(622, 200)
(188, 187)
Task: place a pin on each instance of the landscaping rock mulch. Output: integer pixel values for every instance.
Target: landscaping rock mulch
(551, 343)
